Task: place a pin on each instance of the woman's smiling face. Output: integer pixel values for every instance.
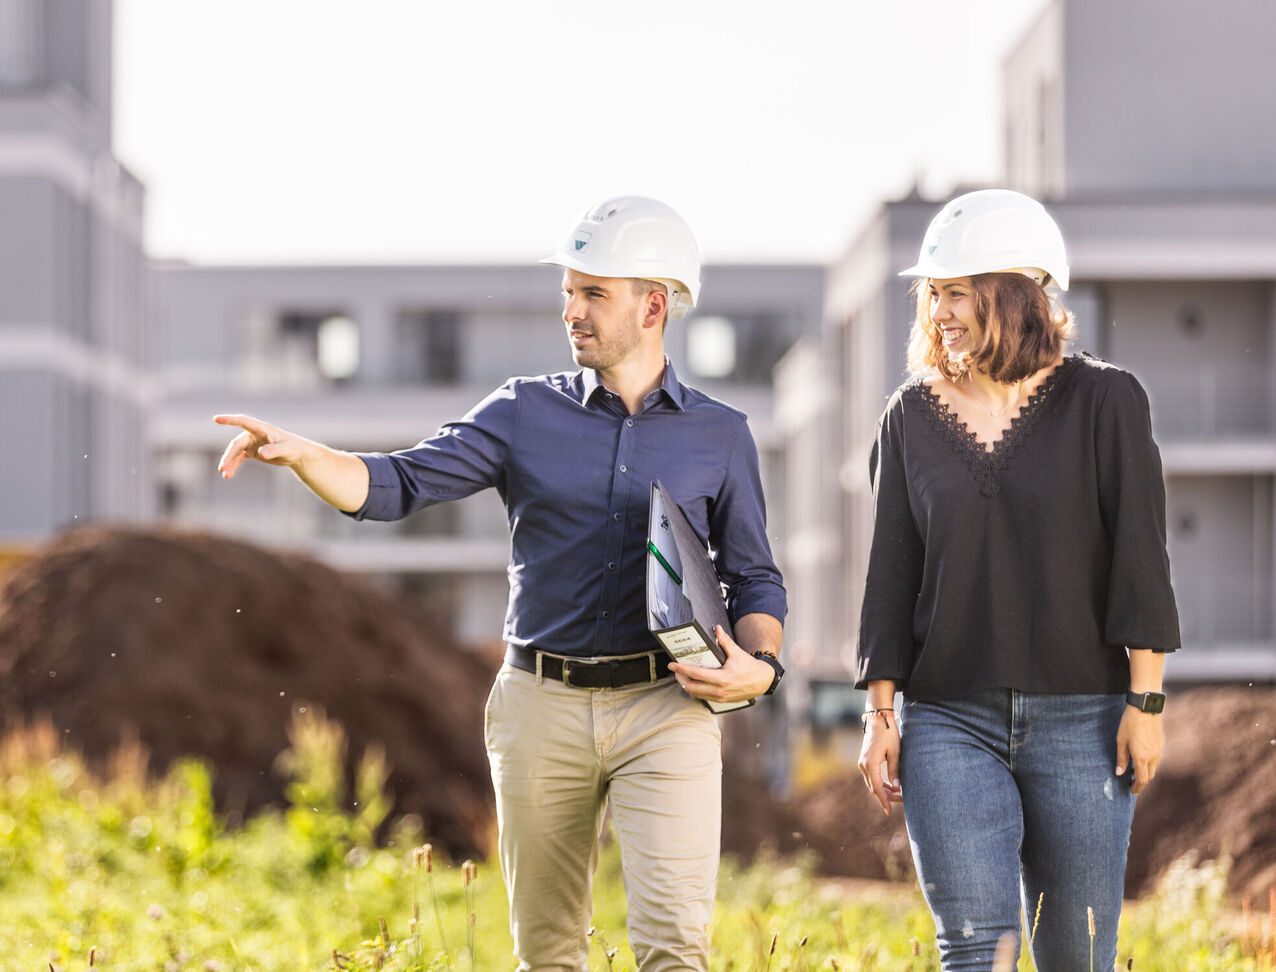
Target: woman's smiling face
(952, 310)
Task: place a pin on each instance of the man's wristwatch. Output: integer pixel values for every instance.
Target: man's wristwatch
(774, 662)
(1152, 703)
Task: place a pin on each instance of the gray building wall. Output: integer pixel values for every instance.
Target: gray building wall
(48, 45)
(1142, 130)
(74, 386)
(1138, 97)
(1203, 349)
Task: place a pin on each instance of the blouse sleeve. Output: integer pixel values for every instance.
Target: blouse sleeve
(886, 645)
(1141, 612)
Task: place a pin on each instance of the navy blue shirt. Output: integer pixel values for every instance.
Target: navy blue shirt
(574, 470)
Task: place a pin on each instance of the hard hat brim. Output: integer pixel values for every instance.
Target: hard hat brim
(936, 272)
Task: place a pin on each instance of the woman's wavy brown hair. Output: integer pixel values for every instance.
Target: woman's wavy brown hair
(1024, 329)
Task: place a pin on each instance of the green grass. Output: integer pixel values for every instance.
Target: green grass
(117, 871)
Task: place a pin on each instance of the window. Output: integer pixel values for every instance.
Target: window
(338, 350)
(742, 347)
(316, 345)
(835, 704)
(429, 343)
(711, 347)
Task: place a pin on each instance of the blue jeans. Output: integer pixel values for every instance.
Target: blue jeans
(1010, 797)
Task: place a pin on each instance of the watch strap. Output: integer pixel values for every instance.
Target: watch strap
(774, 662)
(1150, 702)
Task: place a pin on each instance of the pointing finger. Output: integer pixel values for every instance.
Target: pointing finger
(235, 454)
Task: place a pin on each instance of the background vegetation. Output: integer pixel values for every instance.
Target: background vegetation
(116, 870)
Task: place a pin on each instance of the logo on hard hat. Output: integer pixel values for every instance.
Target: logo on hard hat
(582, 241)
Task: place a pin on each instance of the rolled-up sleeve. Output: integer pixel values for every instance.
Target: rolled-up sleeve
(1141, 611)
(462, 458)
(737, 531)
(886, 645)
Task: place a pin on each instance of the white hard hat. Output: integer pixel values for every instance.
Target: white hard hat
(990, 231)
(636, 236)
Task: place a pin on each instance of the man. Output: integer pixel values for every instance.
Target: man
(583, 714)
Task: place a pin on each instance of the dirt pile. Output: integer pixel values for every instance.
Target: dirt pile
(848, 832)
(1215, 793)
(205, 646)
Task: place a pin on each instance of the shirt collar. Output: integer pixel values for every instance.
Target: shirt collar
(670, 386)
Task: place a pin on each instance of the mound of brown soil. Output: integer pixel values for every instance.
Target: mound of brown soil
(848, 832)
(1214, 794)
(205, 646)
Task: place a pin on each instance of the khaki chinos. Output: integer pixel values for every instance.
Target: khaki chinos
(559, 756)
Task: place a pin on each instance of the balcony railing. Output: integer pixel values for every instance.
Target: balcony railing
(1206, 404)
(1221, 606)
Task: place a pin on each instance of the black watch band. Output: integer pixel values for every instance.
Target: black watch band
(774, 662)
(1152, 703)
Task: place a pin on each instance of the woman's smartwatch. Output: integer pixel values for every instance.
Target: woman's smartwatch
(1153, 703)
(774, 662)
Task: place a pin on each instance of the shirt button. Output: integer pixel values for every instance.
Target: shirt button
(629, 422)
(616, 517)
(624, 469)
(606, 614)
(612, 565)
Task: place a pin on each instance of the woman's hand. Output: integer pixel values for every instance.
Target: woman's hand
(1141, 741)
(879, 758)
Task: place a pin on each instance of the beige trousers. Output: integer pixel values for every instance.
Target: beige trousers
(559, 757)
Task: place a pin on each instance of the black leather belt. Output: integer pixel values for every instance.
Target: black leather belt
(592, 672)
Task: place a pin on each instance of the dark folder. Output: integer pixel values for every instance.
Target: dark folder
(684, 594)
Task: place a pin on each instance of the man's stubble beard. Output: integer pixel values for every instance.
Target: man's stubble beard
(606, 354)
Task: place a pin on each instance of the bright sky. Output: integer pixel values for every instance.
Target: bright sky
(479, 130)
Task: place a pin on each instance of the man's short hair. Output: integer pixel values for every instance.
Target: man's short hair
(643, 287)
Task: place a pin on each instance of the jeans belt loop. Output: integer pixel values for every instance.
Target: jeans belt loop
(540, 677)
(651, 666)
(565, 674)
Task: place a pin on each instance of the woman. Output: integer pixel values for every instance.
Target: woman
(1018, 595)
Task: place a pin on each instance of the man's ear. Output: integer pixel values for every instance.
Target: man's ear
(656, 309)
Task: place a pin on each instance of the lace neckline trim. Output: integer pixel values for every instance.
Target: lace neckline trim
(989, 465)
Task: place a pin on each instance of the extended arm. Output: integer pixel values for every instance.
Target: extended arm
(336, 477)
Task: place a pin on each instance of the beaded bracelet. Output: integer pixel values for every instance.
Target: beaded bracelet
(876, 712)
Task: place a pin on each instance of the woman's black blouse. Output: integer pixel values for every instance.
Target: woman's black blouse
(1030, 567)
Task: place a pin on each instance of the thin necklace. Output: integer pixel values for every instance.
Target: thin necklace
(995, 412)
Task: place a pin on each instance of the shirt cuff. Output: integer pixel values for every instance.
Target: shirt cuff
(382, 488)
(760, 599)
